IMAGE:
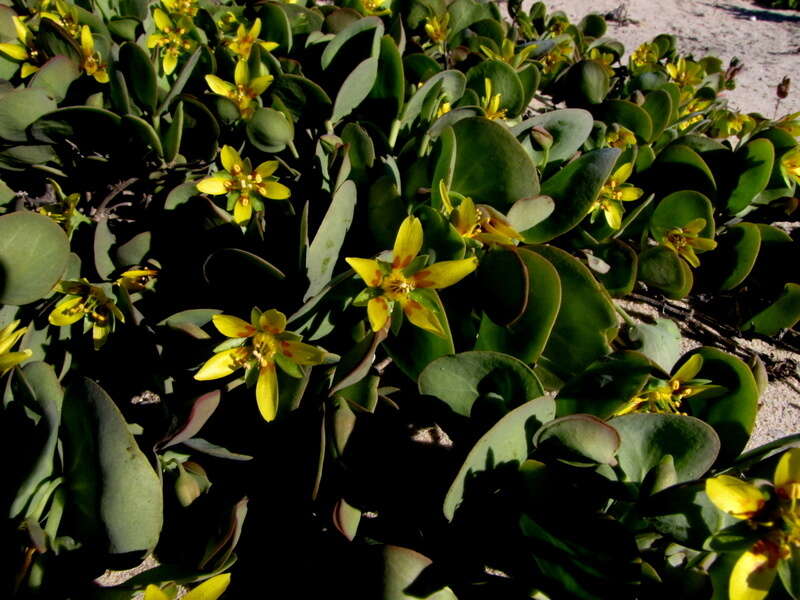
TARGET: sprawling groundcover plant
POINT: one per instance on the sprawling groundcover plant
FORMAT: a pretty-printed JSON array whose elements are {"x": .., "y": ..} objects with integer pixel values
[{"x": 320, "y": 300}]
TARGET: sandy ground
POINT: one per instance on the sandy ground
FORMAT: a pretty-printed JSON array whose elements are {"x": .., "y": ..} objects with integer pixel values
[{"x": 767, "y": 41}]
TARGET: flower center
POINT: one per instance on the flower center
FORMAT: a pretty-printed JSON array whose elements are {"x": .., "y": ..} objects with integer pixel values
[{"x": 396, "y": 285}]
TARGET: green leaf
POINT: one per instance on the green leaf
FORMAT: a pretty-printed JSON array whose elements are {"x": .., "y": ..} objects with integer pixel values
[
  {"x": 33, "y": 255},
  {"x": 648, "y": 438},
  {"x": 734, "y": 258},
  {"x": 661, "y": 267},
  {"x": 269, "y": 130},
  {"x": 301, "y": 96},
  {"x": 587, "y": 320},
  {"x": 47, "y": 396},
  {"x": 660, "y": 342},
  {"x": 55, "y": 77},
  {"x": 628, "y": 114},
  {"x": 450, "y": 83},
  {"x": 388, "y": 93},
  {"x": 623, "y": 265},
  {"x": 113, "y": 491},
  {"x": 522, "y": 290},
  {"x": 323, "y": 254},
  {"x": 678, "y": 167},
  {"x": 748, "y": 174},
  {"x": 605, "y": 386},
  {"x": 134, "y": 62},
  {"x": 402, "y": 567},
  {"x": 570, "y": 128},
  {"x": 574, "y": 189},
  {"x": 180, "y": 81},
  {"x": 782, "y": 142},
  {"x": 578, "y": 438},
  {"x": 658, "y": 105},
  {"x": 20, "y": 108},
  {"x": 276, "y": 26},
  {"x": 240, "y": 273},
  {"x": 461, "y": 380},
  {"x": 347, "y": 34},
  {"x": 784, "y": 313},
  {"x": 509, "y": 440},
  {"x": 464, "y": 13},
  {"x": 103, "y": 241},
  {"x": 141, "y": 135},
  {"x": 355, "y": 89},
  {"x": 174, "y": 134},
  {"x": 584, "y": 84},
  {"x": 491, "y": 166},
  {"x": 733, "y": 414}
]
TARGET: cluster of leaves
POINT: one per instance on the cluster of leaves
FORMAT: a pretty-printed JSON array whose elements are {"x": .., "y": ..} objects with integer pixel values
[
  {"x": 781, "y": 3},
  {"x": 371, "y": 250}
]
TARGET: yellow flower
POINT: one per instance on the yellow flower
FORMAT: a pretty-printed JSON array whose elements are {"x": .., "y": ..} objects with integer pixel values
[
  {"x": 508, "y": 53},
  {"x": 90, "y": 301},
  {"x": 376, "y": 8},
  {"x": 136, "y": 279},
  {"x": 491, "y": 103},
  {"x": 644, "y": 56},
  {"x": 444, "y": 108},
  {"x": 773, "y": 514},
  {"x": 789, "y": 123},
  {"x": 728, "y": 123},
  {"x": 211, "y": 589},
  {"x": 604, "y": 59},
  {"x": 437, "y": 28},
  {"x": 243, "y": 185},
  {"x": 171, "y": 38},
  {"x": 245, "y": 39},
  {"x": 244, "y": 91},
  {"x": 23, "y": 49},
  {"x": 480, "y": 222},
  {"x": 405, "y": 281},
  {"x": 185, "y": 8},
  {"x": 613, "y": 193},
  {"x": 65, "y": 212},
  {"x": 560, "y": 53},
  {"x": 685, "y": 73},
  {"x": 692, "y": 113},
  {"x": 667, "y": 397},
  {"x": 9, "y": 335},
  {"x": 790, "y": 164},
  {"x": 684, "y": 240},
  {"x": 264, "y": 343},
  {"x": 92, "y": 62},
  {"x": 619, "y": 136},
  {"x": 66, "y": 16}
]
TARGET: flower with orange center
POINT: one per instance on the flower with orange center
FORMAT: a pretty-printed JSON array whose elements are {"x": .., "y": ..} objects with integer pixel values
[
  {"x": 773, "y": 515},
  {"x": 242, "y": 44},
  {"x": 243, "y": 185},
  {"x": 171, "y": 38},
  {"x": 244, "y": 91},
  {"x": 407, "y": 282},
  {"x": 790, "y": 164},
  {"x": 477, "y": 222},
  {"x": 92, "y": 62},
  {"x": 265, "y": 343},
  {"x": 613, "y": 193},
  {"x": 685, "y": 240}
]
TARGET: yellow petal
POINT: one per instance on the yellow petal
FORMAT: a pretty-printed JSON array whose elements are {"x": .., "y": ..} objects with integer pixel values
[
  {"x": 702, "y": 243},
  {"x": 272, "y": 321},
  {"x": 230, "y": 158},
  {"x": 7, "y": 338},
  {"x": 87, "y": 43},
  {"x": 369, "y": 270},
  {"x": 153, "y": 592},
  {"x": 222, "y": 364},
  {"x": 688, "y": 253},
  {"x": 378, "y": 313},
  {"x": 422, "y": 317},
  {"x": 153, "y": 39},
  {"x": 163, "y": 22},
  {"x": 233, "y": 327},
  {"x": 211, "y": 589},
  {"x": 101, "y": 76},
  {"x": 302, "y": 354},
  {"x": 629, "y": 193},
  {"x": 751, "y": 577},
  {"x": 9, "y": 360},
  {"x": 259, "y": 85},
  {"x": 267, "y": 392},
  {"x": 444, "y": 274},
  {"x": 689, "y": 369},
  {"x": 242, "y": 210},
  {"x": 28, "y": 69},
  {"x": 241, "y": 74},
  {"x": 274, "y": 190},
  {"x": 218, "y": 86},
  {"x": 170, "y": 62},
  {"x": 408, "y": 242},
  {"x": 268, "y": 46},
  {"x": 734, "y": 496},
  {"x": 613, "y": 214},
  {"x": 267, "y": 168},
  {"x": 466, "y": 216},
  {"x": 67, "y": 313},
  {"x": 621, "y": 175},
  {"x": 14, "y": 51},
  {"x": 787, "y": 473},
  {"x": 255, "y": 30},
  {"x": 212, "y": 185}
]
